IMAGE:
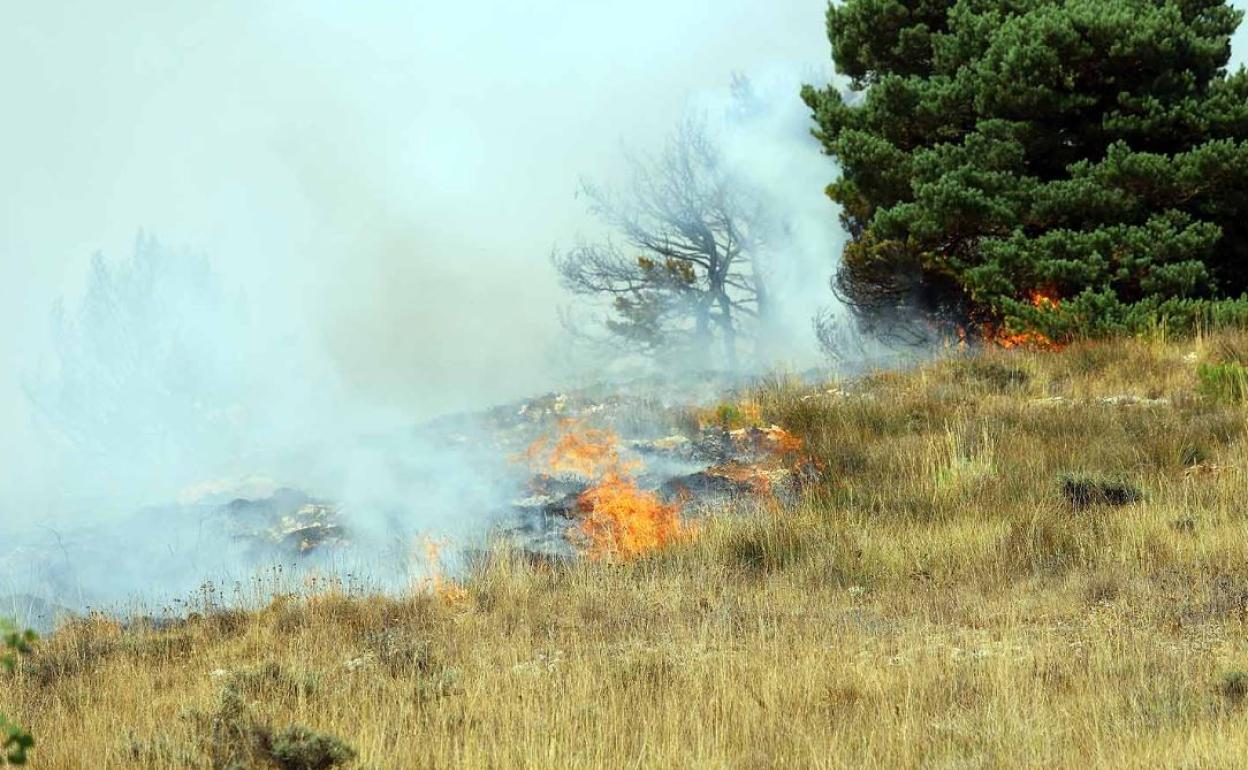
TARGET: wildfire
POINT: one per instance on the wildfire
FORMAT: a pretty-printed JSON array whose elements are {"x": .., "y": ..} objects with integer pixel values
[
  {"x": 1045, "y": 298},
  {"x": 588, "y": 452},
  {"x": 621, "y": 521},
  {"x": 436, "y": 583},
  {"x": 618, "y": 520},
  {"x": 1007, "y": 340},
  {"x": 784, "y": 443}
]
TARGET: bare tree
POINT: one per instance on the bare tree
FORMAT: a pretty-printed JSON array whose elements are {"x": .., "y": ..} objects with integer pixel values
[{"x": 684, "y": 274}]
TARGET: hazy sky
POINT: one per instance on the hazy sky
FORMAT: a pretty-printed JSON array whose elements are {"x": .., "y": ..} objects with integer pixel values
[{"x": 399, "y": 171}]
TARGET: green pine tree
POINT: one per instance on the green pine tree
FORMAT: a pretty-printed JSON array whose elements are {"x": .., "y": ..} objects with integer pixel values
[{"x": 997, "y": 153}]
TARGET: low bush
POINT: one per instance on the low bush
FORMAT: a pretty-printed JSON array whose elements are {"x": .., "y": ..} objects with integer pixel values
[
  {"x": 1087, "y": 491},
  {"x": 298, "y": 748},
  {"x": 234, "y": 736},
  {"x": 1234, "y": 686}
]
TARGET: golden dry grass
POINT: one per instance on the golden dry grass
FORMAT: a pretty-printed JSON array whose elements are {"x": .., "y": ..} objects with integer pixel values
[{"x": 934, "y": 603}]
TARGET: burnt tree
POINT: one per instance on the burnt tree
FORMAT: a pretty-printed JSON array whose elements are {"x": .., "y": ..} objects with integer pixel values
[{"x": 682, "y": 273}]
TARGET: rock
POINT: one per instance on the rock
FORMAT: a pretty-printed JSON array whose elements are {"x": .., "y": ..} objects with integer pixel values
[
  {"x": 671, "y": 446},
  {"x": 1129, "y": 400},
  {"x": 288, "y": 520}
]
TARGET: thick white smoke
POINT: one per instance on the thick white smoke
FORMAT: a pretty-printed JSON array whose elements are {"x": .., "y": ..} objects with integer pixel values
[
  {"x": 165, "y": 396},
  {"x": 765, "y": 135}
]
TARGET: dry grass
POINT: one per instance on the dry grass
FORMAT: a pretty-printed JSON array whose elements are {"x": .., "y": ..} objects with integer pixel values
[{"x": 935, "y": 603}]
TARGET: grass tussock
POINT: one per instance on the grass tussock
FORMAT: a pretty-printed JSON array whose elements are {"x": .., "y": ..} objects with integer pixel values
[{"x": 1008, "y": 560}]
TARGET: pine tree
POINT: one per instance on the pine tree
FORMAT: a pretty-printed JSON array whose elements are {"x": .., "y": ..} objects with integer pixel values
[{"x": 1070, "y": 167}]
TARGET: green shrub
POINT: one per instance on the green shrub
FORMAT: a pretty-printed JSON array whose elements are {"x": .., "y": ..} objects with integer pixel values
[
  {"x": 234, "y": 736},
  {"x": 1234, "y": 686},
  {"x": 727, "y": 415},
  {"x": 14, "y": 742},
  {"x": 298, "y": 748},
  {"x": 1092, "y": 315}
]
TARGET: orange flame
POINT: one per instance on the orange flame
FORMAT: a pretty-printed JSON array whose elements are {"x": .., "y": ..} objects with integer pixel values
[
  {"x": 1006, "y": 340},
  {"x": 784, "y": 443},
  {"x": 446, "y": 589},
  {"x": 1043, "y": 298},
  {"x": 618, "y": 520},
  {"x": 588, "y": 452}
]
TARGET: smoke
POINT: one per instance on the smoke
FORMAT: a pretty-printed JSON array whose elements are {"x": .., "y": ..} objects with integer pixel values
[
  {"x": 166, "y": 397},
  {"x": 741, "y": 162},
  {"x": 765, "y": 134},
  {"x": 352, "y": 208},
  {"x": 354, "y": 205}
]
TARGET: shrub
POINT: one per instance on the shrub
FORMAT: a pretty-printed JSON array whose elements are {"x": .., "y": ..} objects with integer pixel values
[
  {"x": 235, "y": 737},
  {"x": 731, "y": 416},
  {"x": 994, "y": 374},
  {"x": 15, "y": 742},
  {"x": 298, "y": 748},
  {"x": 766, "y": 549},
  {"x": 1087, "y": 491},
  {"x": 1234, "y": 686}
]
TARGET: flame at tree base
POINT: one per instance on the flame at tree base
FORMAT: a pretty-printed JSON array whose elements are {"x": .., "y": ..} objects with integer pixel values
[
  {"x": 1009, "y": 340},
  {"x": 996, "y": 335}
]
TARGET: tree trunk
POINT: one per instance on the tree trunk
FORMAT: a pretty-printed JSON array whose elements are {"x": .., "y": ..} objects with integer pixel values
[
  {"x": 702, "y": 332},
  {"x": 728, "y": 329},
  {"x": 767, "y": 328}
]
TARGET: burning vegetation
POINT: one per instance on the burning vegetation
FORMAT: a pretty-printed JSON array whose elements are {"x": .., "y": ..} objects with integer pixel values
[
  {"x": 617, "y": 519},
  {"x": 436, "y": 582},
  {"x": 997, "y": 334}
]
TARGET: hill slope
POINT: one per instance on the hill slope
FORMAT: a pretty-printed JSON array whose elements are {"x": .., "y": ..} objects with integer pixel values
[{"x": 1009, "y": 559}]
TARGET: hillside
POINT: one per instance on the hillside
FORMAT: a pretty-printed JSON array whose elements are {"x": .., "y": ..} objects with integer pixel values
[{"x": 1005, "y": 559}]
